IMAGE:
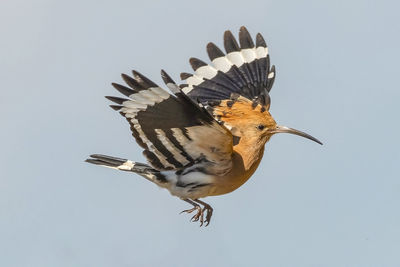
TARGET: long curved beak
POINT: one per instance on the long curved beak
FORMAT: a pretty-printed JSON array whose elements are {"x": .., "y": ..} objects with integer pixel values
[{"x": 284, "y": 129}]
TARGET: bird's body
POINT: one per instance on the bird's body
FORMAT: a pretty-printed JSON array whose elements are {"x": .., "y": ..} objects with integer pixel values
[{"x": 207, "y": 138}]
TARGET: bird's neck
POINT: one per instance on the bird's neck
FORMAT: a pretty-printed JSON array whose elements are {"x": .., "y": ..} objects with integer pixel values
[
  {"x": 246, "y": 158},
  {"x": 251, "y": 152}
]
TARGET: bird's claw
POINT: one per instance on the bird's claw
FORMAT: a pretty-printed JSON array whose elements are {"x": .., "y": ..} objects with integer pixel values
[
  {"x": 199, "y": 216},
  {"x": 189, "y": 210},
  {"x": 209, "y": 214}
]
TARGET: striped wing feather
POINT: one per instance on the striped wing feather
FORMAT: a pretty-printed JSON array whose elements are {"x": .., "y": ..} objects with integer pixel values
[
  {"x": 173, "y": 130},
  {"x": 243, "y": 70}
]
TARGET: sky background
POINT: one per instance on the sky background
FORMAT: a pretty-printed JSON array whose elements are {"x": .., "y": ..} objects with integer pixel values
[{"x": 307, "y": 205}]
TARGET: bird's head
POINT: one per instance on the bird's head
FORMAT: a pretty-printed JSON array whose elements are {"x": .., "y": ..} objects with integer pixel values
[{"x": 251, "y": 122}]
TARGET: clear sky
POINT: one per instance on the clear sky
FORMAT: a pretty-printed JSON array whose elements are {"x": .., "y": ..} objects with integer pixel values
[{"x": 307, "y": 205}]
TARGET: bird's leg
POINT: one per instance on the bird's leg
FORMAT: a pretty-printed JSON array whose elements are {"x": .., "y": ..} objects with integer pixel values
[
  {"x": 207, "y": 208},
  {"x": 198, "y": 215}
]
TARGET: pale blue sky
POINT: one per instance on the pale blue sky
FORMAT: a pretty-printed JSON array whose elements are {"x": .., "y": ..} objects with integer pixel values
[{"x": 307, "y": 205}]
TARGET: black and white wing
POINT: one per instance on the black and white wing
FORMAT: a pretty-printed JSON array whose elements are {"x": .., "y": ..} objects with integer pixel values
[
  {"x": 173, "y": 130},
  {"x": 244, "y": 70}
]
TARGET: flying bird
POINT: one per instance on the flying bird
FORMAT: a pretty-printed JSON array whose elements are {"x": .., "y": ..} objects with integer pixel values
[{"x": 205, "y": 137}]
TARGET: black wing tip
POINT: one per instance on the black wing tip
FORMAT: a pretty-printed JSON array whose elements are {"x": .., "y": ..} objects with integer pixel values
[
  {"x": 245, "y": 38},
  {"x": 230, "y": 42},
  {"x": 131, "y": 82},
  {"x": 166, "y": 78},
  {"x": 144, "y": 82},
  {"x": 213, "y": 51},
  {"x": 164, "y": 73},
  {"x": 126, "y": 77},
  {"x": 123, "y": 89},
  {"x": 115, "y": 99},
  {"x": 196, "y": 63},
  {"x": 228, "y": 33},
  {"x": 137, "y": 75},
  {"x": 115, "y": 107},
  {"x": 123, "y": 75},
  {"x": 260, "y": 41},
  {"x": 185, "y": 75},
  {"x": 173, "y": 87},
  {"x": 243, "y": 28}
]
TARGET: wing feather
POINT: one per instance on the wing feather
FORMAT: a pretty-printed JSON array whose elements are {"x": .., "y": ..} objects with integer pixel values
[
  {"x": 245, "y": 69},
  {"x": 174, "y": 131}
]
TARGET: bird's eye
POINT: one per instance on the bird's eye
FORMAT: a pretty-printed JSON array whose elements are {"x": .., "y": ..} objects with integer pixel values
[{"x": 261, "y": 127}]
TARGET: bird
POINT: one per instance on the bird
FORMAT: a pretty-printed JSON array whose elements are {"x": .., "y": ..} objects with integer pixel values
[{"x": 205, "y": 137}]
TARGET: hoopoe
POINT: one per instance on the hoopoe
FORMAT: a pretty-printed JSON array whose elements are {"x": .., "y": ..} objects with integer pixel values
[{"x": 207, "y": 138}]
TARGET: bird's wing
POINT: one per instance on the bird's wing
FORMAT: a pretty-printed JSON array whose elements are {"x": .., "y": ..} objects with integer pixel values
[
  {"x": 243, "y": 71},
  {"x": 174, "y": 131}
]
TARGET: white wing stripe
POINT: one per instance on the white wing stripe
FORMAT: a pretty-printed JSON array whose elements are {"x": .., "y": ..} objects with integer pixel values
[
  {"x": 142, "y": 99},
  {"x": 194, "y": 80},
  {"x": 134, "y": 105},
  {"x": 170, "y": 147},
  {"x": 207, "y": 72},
  {"x": 271, "y": 75},
  {"x": 222, "y": 63},
  {"x": 187, "y": 89},
  {"x": 236, "y": 58},
  {"x": 261, "y": 51},
  {"x": 160, "y": 92},
  {"x": 249, "y": 54},
  {"x": 152, "y": 148}
]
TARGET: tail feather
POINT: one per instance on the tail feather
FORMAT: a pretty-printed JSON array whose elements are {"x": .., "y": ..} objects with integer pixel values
[{"x": 127, "y": 165}]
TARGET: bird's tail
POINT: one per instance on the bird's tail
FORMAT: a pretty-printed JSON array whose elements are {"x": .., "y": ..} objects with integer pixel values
[{"x": 142, "y": 169}]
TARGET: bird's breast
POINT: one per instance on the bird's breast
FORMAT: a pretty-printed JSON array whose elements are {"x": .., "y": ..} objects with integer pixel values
[{"x": 238, "y": 175}]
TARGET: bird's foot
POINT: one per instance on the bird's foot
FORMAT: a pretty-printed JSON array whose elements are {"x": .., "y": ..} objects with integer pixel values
[
  {"x": 208, "y": 208},
  {"x": 209, "y": 214},
  {"x": 195, "y": 207},
  {"x": 199, "y": 216}
]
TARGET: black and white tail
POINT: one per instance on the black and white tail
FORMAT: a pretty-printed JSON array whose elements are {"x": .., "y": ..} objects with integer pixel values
[{"x": 142, "y": 169}]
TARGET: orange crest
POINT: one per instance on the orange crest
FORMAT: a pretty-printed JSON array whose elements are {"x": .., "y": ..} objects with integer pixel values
[{"x": 242, "y": 113}]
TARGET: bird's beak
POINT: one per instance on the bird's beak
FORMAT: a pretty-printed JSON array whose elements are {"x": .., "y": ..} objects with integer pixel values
[{"x": 284, "y": 129}]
